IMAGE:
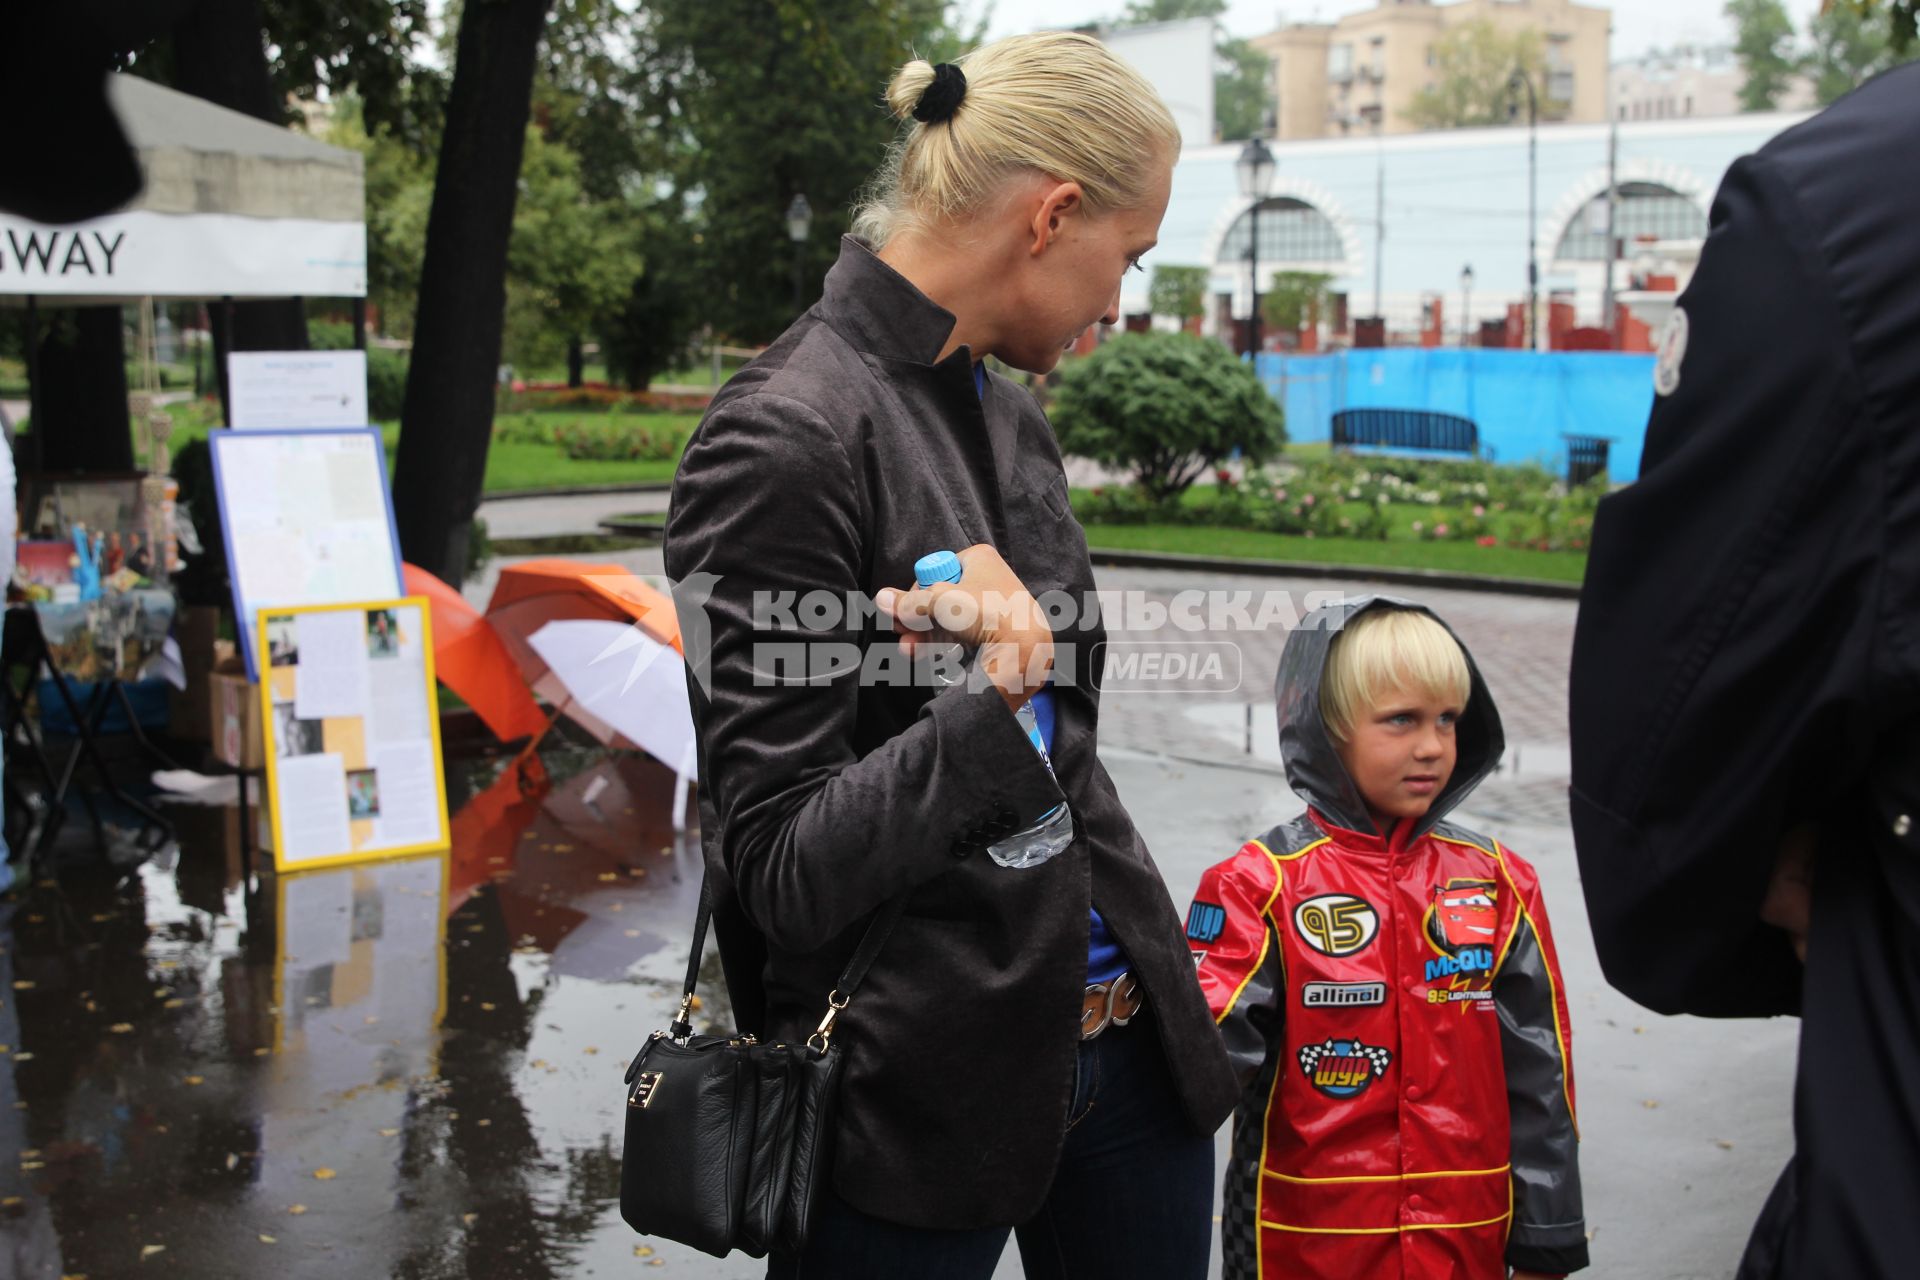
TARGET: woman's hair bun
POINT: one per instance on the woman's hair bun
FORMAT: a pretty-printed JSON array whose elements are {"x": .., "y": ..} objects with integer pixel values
[
  {"x": 909, "y": 83},
  {"x": 941, "y": 98}
]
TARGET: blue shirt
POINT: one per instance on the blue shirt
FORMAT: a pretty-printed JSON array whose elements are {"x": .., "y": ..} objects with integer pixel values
[{"x": 1105, "y": 960}]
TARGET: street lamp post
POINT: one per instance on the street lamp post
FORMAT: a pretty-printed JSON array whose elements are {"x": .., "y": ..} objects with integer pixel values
[
  {"x": 799, "y": 224},
  {"x": 1518, "y": 81},
  {"x": 1255, "y": 170},
  {"x": 1466, "y": 301}
]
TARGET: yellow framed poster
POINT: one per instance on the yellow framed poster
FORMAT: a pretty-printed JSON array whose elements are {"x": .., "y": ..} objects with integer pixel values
[{"x": 352, "y": 729}]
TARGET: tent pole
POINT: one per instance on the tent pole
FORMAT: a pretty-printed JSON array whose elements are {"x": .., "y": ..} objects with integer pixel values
[
  {"x": 33, "y": 381},
  {"x": 221, "y": 350}
]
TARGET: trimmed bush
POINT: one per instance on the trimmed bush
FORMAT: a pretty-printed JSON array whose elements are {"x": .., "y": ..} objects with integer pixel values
[{"x": 1166, "y": 406}]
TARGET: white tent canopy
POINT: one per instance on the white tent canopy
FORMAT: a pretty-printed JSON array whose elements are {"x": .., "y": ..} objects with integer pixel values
[{"x": 232, "y": 207}]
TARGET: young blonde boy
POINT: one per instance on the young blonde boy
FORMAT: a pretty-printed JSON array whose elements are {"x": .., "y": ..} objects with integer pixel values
[{"x": 1387, "y": 985}]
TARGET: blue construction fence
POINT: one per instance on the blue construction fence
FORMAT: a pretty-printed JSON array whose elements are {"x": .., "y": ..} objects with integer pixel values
[{"x": 1526, "y": 403}]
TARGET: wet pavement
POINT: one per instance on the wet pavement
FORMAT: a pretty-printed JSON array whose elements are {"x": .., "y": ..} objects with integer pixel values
[{"x": 413, "y": 1068}]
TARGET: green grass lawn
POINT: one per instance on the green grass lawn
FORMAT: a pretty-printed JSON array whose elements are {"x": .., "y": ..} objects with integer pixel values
[
  {"x": 511, "y": 464},
  {"x": 1396, "y": 553}
]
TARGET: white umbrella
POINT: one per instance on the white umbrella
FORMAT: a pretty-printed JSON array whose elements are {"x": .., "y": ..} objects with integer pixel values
[{"x": 623, "y": 687}]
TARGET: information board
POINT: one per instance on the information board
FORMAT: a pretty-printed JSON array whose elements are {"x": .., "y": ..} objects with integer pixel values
[
  {"x": 307, "y": 520},
  {"x": 280, "y": 390},
  {"x": 353, "y": 733}
]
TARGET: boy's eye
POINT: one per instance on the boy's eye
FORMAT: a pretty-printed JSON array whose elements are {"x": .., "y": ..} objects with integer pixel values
[{"x": 1447, "y": 718}]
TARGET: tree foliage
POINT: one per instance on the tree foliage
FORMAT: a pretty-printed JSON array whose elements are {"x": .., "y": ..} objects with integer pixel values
[
  {"x": 1180, "y": 292},
  {"x": 1763, "y": 42},
  {"x": 1851, "y": 44},
  {"x": 1293, "y": 299},
  {"x": 1473, "y": 64},
  {"x": 572, "y": 258},
  {"x": 1166, "y": 406},
  {"x": 777, "y": 99}
]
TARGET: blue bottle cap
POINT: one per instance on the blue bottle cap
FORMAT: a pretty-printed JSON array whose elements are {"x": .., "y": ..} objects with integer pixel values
[{"x": 939, "y": 566}]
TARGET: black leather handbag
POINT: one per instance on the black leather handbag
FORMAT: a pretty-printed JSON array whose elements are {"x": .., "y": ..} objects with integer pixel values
[{"x": 729, "y": 1140}]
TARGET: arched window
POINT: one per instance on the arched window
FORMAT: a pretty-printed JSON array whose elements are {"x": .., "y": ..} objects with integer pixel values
[
  {"x": 1647, "y": 209},
  {"x": 1291, "y": 232}
]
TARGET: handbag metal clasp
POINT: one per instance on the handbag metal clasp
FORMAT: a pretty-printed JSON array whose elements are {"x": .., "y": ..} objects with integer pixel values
[{"x": 824, "y": 1032}]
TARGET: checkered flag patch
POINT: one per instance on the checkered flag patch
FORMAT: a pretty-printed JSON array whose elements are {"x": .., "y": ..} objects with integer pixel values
[{"x": 1310, "y": 1054}]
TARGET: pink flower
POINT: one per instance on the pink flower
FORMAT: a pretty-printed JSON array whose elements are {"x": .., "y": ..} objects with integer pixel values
[
  {"x": 1439, "y": 531},
  {"x": 1223, "y": 475},
  {"x": 1279, "y": 495},
  {"x": 1479, "y": 511},
  {"x": 1308, "y": 500},
  {"x": 1488, "y": 541}
]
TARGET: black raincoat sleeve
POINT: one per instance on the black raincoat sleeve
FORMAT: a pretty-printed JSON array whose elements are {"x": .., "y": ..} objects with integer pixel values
[
  {"x": 1727, "y": 632},
  {"x": 1549, "y": 1232}
]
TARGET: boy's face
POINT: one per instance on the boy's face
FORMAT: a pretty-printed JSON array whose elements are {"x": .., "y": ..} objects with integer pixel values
[{"x": 1400, "y": 753}]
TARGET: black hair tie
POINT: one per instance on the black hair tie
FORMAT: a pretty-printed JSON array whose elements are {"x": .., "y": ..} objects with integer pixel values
[{"x": 942, "y": 97}]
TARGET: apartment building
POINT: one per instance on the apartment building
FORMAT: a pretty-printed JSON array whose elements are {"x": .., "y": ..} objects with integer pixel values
[{"x": 1350, "y": 77}]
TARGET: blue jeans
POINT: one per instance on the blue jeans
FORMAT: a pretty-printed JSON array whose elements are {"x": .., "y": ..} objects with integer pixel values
[{"x": 1133, "y": 1196}]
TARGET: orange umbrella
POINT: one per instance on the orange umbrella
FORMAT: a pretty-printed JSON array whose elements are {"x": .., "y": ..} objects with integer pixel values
[
  {"x": 535, "y": 592},
  {"x": 471, "y": 660}
]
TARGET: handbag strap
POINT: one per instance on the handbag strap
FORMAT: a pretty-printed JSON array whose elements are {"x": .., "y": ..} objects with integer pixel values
[{"x": 878, "y": 930}]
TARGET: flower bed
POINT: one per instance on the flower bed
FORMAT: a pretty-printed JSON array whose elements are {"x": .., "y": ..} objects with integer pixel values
[
  {"x": 596, "y": 397},
  {"x": 1375, "y": 498}
]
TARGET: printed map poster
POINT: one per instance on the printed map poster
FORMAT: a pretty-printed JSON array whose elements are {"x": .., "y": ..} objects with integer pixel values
[
  {"x": 308, "y": 520},
  {"x": 352, "y": 728}
]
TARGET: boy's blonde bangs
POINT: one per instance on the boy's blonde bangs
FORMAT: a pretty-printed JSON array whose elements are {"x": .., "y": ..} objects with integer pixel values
[{"x": 1385, "y": 650}]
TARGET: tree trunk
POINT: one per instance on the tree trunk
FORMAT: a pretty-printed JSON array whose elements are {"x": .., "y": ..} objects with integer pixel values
[
  {"x": 83, "y": 393},
  {"x": 220, "y": 55},
  {"x": 576, "y": 361},
  {"x": 447, "y": 419}
]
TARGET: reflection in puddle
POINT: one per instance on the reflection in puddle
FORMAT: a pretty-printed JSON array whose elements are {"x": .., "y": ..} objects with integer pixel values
[{"x": 407, "y": 1068}]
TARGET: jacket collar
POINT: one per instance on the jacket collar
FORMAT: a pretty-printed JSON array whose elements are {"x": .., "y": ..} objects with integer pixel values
[
  {"x": 1400, "y": 837},
  {"x": 880, "y": 311}
]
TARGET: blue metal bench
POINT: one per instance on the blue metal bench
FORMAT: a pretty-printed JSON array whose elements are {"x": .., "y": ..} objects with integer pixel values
[{"x": 1420, "y": 429}]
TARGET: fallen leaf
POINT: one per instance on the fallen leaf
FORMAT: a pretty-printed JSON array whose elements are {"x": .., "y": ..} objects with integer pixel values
[
  {"x": 323, "y": 1175},
  {"x": 636, "y": 871},
  {"x": 488, "y": 1005},
  {"x": 173, "y": 1004},
  {"x": 469, "y": 1218},
  {"x": 296, "y": 1209},
  {"x": 642, "y": 1251},
  {"x": 32, "y": 1153},
  {"x": 1723, "y": 1144},
  {"x": 28, "y": 1166},
  {"x": 1649, "y": 1103},
  {"x": 590, "y": 1049},
  {"x": 23, "y": 1056},
  {"x": 608, "y": 875},
  {"x": 631, "y": 933},
  {"x": 656, "y": 1262},
  {"x": 121, "y": 1028},
  {"x": 23, "y": 984},
  {"x": 9, "y": 1202},
  {"x": 196, "y": 1080},
  {"x": 267, "y": 1239},
  {"x": 262, "y": 1052},
  {"x": 148, "y": 1250},
  {"x": 484, "y": 1123},
  {"x": 538, "y": 1063},
  {"x": 389, "y": 1133}
]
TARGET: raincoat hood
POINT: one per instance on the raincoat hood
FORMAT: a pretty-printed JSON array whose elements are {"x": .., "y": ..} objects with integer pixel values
[{"x": 1314, "y": 769}]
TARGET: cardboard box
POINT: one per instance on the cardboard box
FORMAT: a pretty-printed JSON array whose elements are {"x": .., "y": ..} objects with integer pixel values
[
  {"x": 233, "y": 703},
  {"x": 189, "y": 710}
]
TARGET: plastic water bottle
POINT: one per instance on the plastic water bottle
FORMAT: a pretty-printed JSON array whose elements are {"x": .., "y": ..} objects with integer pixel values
[{"x": 1054, "y": 831}]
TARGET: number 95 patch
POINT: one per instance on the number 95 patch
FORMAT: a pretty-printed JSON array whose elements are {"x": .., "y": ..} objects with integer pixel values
[{"x": 1336, "y": 924}]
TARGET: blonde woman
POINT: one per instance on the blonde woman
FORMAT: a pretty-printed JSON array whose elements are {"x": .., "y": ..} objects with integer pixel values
[{"x": 1030, "y": 1052}]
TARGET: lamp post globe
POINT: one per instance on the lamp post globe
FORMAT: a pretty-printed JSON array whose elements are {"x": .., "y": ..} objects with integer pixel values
[{"x": 799, "y": 226}]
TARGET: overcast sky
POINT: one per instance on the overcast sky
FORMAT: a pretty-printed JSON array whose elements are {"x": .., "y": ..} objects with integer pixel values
[{"x": 1638, "y": 25}]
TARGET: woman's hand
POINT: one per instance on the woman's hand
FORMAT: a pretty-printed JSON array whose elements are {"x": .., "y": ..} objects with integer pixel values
[{"x": 989, "y": 611}]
